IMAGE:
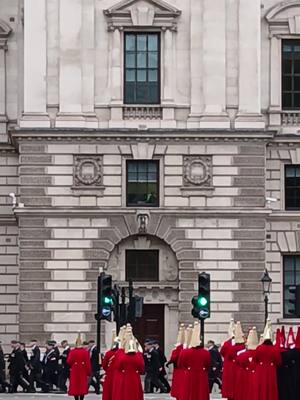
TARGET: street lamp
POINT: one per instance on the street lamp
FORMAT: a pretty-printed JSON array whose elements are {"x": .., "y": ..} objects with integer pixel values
[{"x": 266, "y": 285}]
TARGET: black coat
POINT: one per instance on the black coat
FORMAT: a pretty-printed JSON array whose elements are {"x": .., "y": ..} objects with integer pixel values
[
  {"x": 162, "y": 360},
  {"x": 94, "y": 360},
  {"x": 289, "y": 375},
  {"x": 63, "y": 357},
  {"x": 152, "y": 362},
  {"x": 50, "y": 361},
  {"x": 216, "y": 359},
  {"x": 16, "y": 362},
  {"x": 2, "y": 360},
  {"x": 35, "y": 359}
]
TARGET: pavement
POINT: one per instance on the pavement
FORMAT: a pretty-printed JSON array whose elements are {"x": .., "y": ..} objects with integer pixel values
[{"x": 56, "y": 396}]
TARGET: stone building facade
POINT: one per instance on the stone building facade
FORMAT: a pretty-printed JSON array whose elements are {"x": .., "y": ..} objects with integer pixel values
[{"x": 218, "y": 136}]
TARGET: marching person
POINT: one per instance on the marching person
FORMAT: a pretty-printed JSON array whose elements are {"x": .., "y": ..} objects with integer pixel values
[
  {"x": 152, "y": 369},
  {"x": 238, "y": 345},
  {"x": 196, "y": 363},
  {"x": 131, "y": 365},
  {"x": 163, "y": 376},
  {"x": 267, "y": 358},
  {"x": 3, "y": 383},
  {"x": 291, "y": 359},
  {"x": 215, "y": 371},
  {"x": 49, "y": 365},
  {"x": 178, "y": 373},
  {"x": 182, "y": 357},
  {"x": 94, "y": 357},
  {"x": 26, "y": 359},
  {"x": 35, "y": 368},
  {"x": 64, "y": 367},
  {"x": 16, "y": 368},
  {"x": 108, "y": 365},
  {"x": 227, "y": 365},
  {"x": 80, "y": 370},
  {"x": 245, "y": 385}
]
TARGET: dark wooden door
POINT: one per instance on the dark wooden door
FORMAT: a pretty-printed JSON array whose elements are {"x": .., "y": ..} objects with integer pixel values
[{"x": 152, "y": 324}]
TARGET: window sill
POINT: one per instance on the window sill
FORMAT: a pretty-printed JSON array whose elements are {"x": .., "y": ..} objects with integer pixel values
[{"x": 288, "y": 320}]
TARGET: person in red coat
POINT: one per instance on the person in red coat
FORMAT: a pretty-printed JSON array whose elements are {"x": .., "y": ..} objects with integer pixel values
[
  {"x": 108, "y": 365},
  {"x": 227, "y": 364},
  {"x": 246, "y": 369},
  {"x": 267, "y": 358},
  {"x": 196, "y": 362},
  {"x": 80, "y": 370},
  {"x": 182, "y": 359},
  {"x": 178, "y": 373},
  {"x": 130, "y": 366}
]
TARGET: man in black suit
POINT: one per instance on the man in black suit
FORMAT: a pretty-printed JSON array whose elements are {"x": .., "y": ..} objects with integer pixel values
[
  {"x": 94, "y": 356},
  {"x": 50, "y": 364},
  {"x": 215, "y": 371},
  {"x": 16, "y": 368},
  {"x": 35, "y": 368},
  {"x": 64, "y": 368},
  {"x": 162, "y": 371},
  {"x": 152, "y": 369},
  {"x": 3, "y": 383}
]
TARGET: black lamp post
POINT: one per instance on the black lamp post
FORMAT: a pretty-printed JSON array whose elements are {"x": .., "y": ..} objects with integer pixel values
[{"x": 266, "y": 284}]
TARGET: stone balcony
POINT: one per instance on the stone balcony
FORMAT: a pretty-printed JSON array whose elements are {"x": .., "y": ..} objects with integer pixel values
[{"x": 142, "y": 112}]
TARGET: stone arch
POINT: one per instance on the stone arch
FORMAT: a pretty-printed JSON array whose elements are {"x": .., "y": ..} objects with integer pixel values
[{"x": 168, "y": 263}]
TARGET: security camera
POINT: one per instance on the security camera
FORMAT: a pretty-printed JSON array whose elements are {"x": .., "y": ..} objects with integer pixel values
[
  {"x": 271, "y": 199},
  {"x": 14, "y": 199}
]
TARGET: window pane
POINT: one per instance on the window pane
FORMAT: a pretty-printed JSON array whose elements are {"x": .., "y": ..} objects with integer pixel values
[
  {"x": 287, "y": 83},
  {"x": 287, "y": 100},
  {"x": 287, "y": 66},
  {"x": 142, "y": 42},
  {"x": 153, "y": 92},
  {"x": 130, "y": 60},
  {"x": 141, "y": 75},
  {"x": 152, "y": 77},
  {"x": 130, "y": 42},
  {"x": 132, "y": 167},
  {"x": 289, "y": 172},
  {"x": 141, "y": 60},
  {"x": 129, "y": 92},
  {"x": 142, "y": 185},
  {"x": 141, "y": 93},
  {"x": 130, "y": 75},
  {"x": 153, "y": 42},
  {"x": 296, "y": 100},
  {"x": 152, "y": 60}
]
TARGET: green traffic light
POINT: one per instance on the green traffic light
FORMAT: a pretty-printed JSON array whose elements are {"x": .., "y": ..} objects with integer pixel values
[
  {"x": 202, "y": 301},
  {"x": 107, "y": 300}
]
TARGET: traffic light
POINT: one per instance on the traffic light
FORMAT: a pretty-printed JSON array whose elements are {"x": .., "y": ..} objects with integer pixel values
[
  {"x": 105, "y": 297},
  {"x": 201, "y": 303},
  {"x": 135, "y": 309},
  {"x": 295, "y": 300}
]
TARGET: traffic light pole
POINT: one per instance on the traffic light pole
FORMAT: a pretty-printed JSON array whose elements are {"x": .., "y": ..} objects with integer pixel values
[
  {"x": 98, "y": 340},
  {"x": 202, "y": 331}
]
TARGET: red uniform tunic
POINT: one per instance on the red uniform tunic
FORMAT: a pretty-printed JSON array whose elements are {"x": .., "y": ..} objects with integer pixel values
[
  {"x": 117, "y": 388},
  {"x": 108, "y": 364},
  {"x": 80, "y": 370},
  {"x": 226, "y": 367},
  {"x": 245, "y": 386},
  {"x": 130, "y": 366},
  {"x": 178, "y": 373},
  {"x": 196, "y": 362},
  {"x": 230, "y": 370},
  {"x": 267, "y": 358}
]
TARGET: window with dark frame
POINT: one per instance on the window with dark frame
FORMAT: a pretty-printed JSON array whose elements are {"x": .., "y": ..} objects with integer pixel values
[
  {"x": 291, "y": 277},
  {"x": 292, "y": 187},
  {"x": 142, "y": 183},
  {"x": 291, "y": 74},
  {"x": 142, "y": 265},
  {"x": 142, "y": 68}
]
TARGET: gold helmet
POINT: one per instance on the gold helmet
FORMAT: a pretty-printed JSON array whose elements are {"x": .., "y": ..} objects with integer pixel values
[
  {"x": 195, "y": 339},
  {"x": 188, "y": 335},
  {"x": 268, "y": 332},
  {"x": 122, "y": 337},
  {"x": 231, "y": 329},
  {"x": 78, "y": 342},
  {"x": 114, "y": 339},
  {"x": 130, "y": 346},
  {"x": 239, "y": 336},
  {"x": 181, "y": 335},
  {"x": 252, "y": 340}
]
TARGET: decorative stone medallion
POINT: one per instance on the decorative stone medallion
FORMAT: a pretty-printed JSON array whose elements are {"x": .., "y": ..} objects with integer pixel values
[
  {"x": 197, "y": 171},
  {"x": 87, "y": 171}
]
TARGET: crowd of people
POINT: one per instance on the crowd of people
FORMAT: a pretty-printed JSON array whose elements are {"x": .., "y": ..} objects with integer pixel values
[
  {"x": 245, "y": 368},
  {"x": 48, "y": 372}
]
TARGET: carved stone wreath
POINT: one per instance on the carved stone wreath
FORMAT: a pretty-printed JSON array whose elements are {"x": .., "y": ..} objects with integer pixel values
[
  {"x": 87, "y": 171},
  {"x": 197, "y": 171}
]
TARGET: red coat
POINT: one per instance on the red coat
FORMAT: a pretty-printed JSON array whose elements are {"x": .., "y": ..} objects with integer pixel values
[
  {"x": 196, "y": 362},
  {"x": 230, "y": 370},
  {"x": 245, "y": 386},
  {"x": 80, "y": 370},
  {"x": 267, "y": 358},
  {"x": 117, "y": 389},
  {"x": 130, "y": 367},
  {"x": 108, "y": 364},
  {"x": 226, "y": 366},
  {"x": 178, "y": 373}
]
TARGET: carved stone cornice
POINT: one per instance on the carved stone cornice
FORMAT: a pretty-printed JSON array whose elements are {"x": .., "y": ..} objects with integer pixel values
[
  {"x": 7, "y": 148},
  {"x": 135, "y": 135}
]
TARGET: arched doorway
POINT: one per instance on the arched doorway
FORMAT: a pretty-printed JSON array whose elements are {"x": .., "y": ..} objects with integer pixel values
[{"x": 152, "y": 265}]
